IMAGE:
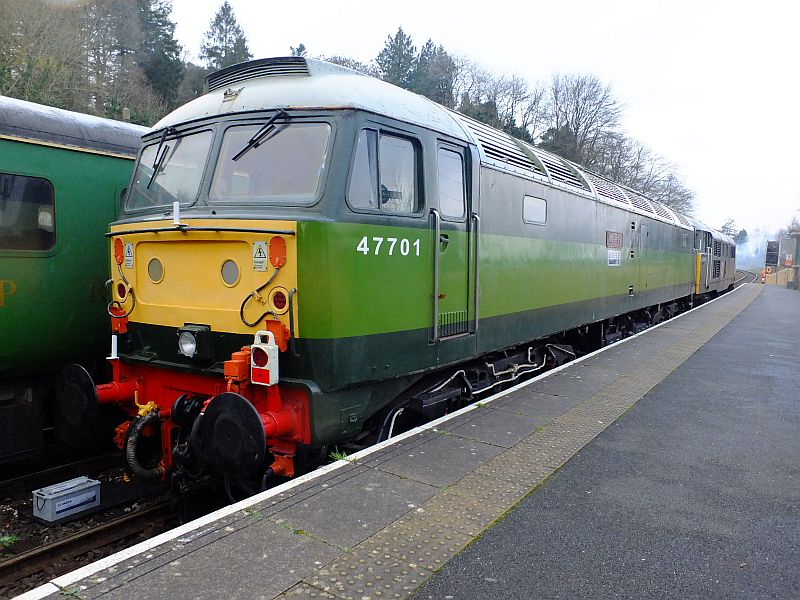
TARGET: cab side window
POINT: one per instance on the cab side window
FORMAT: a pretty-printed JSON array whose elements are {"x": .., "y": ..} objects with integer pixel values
[
  {"x": 384, "y": 176},
  {"x": 27, "y": 213},
  {"x": 451, "y": 184}
]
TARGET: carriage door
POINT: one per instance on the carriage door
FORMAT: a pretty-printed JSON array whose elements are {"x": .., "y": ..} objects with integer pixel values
[{"x": 450, "y": 228}]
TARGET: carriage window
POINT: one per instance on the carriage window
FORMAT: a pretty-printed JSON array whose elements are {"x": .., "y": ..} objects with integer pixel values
[
  {"x": 27, "y": 213},
  {"x": 451, "y": 184},
  {"x": 534, "y": 210},
  {"x": 384, "y": 174},
  {"x": 284, "y": 167}
]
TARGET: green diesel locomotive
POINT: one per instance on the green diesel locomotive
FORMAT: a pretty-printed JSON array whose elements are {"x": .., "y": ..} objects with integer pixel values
[
  {"x": 61, "y": 179},
  {"x": 309, "y": 257}
]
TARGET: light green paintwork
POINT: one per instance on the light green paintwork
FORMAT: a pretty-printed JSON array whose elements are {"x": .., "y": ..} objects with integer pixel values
[{"x": 343, "y": 293}]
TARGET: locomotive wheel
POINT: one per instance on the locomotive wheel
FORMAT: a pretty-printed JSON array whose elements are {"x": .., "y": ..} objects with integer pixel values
[
  {"x": 76, "y": 404},
  {"x": 229, "y": 436}
]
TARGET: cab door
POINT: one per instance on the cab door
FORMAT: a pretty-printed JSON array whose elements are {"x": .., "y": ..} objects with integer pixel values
[{"x": 452, "y": 227}]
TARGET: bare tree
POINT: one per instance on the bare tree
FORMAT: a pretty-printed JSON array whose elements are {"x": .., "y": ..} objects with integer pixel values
[
  {"x": 587, "y": 108},
  {"x": 38, "y": 52},
  {"x": 370, "y": 69}
]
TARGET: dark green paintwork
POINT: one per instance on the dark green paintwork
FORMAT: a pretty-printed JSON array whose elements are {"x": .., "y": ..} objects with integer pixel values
[{"x": 57, "y": 312}]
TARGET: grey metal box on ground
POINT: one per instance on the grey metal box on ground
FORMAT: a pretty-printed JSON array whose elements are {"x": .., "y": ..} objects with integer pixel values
[{"x": 65, "y": 499}]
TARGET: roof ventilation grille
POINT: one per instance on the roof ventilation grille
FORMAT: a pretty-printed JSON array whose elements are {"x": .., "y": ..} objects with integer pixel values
[
  {"x": 662, "y": 210},
  {"x": 560, "y": 170},
  {"x": 264, "y": 67},
  {"x": 499, "y": 146},
  {"x": 606, "y": 189},
  {"x": 640, "y": 202}
]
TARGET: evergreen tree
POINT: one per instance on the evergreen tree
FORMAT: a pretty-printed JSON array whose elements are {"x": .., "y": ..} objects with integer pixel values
[
  {"x": 483, "y": 111},
  {"x": 299, "y": 50},
  {"x": 397, "y": 60},
  {"x": 434, "y": 74},
  {"x": 160, "y": 56},
  {"x": 225, "y": 43},
  {"x": 561, "y": 141}
]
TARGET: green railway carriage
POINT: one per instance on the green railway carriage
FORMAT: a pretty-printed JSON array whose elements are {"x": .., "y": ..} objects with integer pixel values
[
  {"x": 309, "y": 257},
  {"x": 61, "y": 177}
]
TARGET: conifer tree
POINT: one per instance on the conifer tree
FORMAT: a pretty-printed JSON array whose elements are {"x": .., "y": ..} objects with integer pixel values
[
  {"x": 396, "y": 60},
  {"x": 224, "y": 44},
  {"x": 160, "y": 55}
]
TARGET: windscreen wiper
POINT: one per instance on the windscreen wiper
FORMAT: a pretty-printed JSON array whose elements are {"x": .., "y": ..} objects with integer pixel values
[
  {"x": 261, "y": 134},
  {"x": 161, "y": 152}
]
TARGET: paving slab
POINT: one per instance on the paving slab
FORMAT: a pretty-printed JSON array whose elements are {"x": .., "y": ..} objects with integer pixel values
[
  {"x": 496, "y": 427},
  {"x": 442, "y": 460},
  {"x": 380, "y": 524},
  {"x": 544, "y": 407},
  {"x": 347, "y": 514},
  {"x": 693, "y": 493}
]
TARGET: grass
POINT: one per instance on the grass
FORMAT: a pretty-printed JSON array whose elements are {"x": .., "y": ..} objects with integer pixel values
[
  {"x": 337, "y": 454},
  {"x": 8, "y": 540}
]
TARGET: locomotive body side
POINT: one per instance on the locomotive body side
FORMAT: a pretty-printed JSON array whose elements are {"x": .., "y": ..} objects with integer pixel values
[
  {"x": 410, "y": 269},
  {"x": 588, "y": 262}
]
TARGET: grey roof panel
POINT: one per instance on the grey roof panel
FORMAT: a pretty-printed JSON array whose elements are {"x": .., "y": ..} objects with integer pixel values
[
  {"x": 27, "y": 120},
  {"x": 326, "y": 86}
]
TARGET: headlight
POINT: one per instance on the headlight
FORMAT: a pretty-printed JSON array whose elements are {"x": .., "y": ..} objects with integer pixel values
[
  {"x": 187, "y": 344},
  {"x": 194, "y": 341}
]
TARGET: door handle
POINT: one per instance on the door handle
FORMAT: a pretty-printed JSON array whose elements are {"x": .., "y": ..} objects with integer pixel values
[{"x": 444, "y": 240}]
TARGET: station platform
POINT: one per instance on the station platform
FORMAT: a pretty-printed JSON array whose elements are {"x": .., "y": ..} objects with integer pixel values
[{"x": 385, "y": 522}]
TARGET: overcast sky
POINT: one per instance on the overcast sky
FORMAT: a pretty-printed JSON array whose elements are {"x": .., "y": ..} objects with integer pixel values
[{"x": 710, "y": 85}]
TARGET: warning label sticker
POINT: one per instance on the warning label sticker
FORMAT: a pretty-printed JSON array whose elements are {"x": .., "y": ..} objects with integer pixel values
[
  {"x": 259, "y": 256},
  {"x": 614, "y": 258},
  {"x": 129, "y": 256}
]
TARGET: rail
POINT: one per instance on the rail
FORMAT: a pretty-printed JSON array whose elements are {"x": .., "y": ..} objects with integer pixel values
[{"x": 44, "y": 557}]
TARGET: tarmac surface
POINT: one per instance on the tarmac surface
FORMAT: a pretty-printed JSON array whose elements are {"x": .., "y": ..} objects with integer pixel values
[{"x": 690, "y": 493}]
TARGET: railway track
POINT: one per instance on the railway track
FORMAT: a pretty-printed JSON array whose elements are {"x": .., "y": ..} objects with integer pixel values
[
  {"x": 20, "y": 485},
  {"x": 745, "y": 277},
  {"x": 70, "y": 552}
]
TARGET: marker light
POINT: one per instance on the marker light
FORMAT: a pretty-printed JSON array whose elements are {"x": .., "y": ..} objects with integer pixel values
[
  {"x": 260, "y": 357},
  {"x": 279, "y": 300},
  {"x": 187, "y": 344},
  {"x": 122, "y": 291},
  {"x": 264, "y": 359},
  {"x": 119, "y": 253}
]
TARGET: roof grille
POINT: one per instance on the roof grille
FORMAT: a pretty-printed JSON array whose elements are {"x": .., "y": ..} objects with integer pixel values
[
  {"x": 639, "y": 201},
  {"x": 560, "y": 170},
  {"x": 662, "y": 210},
  {"x": 499, "y": 146},
  {"x": 264, "y": 67},
  {"x": 606, "y": 188},
  {"x": 683, "y": 220}
]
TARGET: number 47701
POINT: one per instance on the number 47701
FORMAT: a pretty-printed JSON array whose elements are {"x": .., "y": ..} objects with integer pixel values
[{"x": 389, "y": 245}]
